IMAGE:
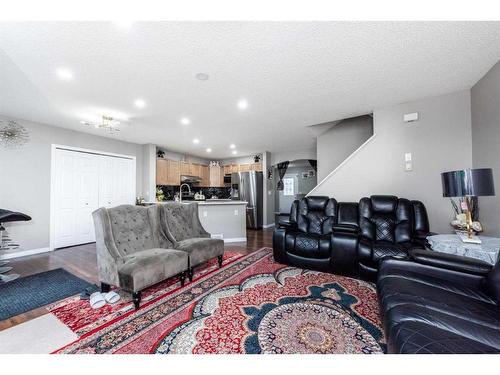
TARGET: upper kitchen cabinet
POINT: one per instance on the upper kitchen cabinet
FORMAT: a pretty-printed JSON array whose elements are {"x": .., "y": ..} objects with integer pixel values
[
  {"x": 205, "y": 176},
  {"x": 185, "y": 168},
  {"x": 216, "y": 176},
  {"x": 167, "y": 172},
  {"x": 256, "y": 167}
]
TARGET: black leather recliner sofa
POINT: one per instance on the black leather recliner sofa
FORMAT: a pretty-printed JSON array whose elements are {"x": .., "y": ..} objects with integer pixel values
[
  {"x": 350, "y": 238},
  {"x": 440, "y": 303}
]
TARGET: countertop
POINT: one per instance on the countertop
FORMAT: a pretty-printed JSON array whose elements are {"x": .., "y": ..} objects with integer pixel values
[{"x": 208, "y": 202}]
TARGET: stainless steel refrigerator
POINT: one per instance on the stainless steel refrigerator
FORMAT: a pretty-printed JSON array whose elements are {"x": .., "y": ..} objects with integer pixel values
[{"x": 248, "y": 186}]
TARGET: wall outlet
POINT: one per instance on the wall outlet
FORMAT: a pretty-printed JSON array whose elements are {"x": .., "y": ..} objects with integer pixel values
[{"x": 408, "y": 166}]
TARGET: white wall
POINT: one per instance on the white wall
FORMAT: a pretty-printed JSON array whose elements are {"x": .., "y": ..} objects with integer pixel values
[
  {"x": 337, "y": 143},
  {"x": 485, "y": 102},
  {"x": 440, "y": 141},
  {"x": 25, "y": 174}
]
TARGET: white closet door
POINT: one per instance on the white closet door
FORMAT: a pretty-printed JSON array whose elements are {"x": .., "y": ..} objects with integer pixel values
[
  {"x": 124, "y": 188},
  {"x": 107, "y": 181},
  {"x": 87, "y": 197},
  {"x": 83, "y": 182},
  {"x": 76, "y": 197}
]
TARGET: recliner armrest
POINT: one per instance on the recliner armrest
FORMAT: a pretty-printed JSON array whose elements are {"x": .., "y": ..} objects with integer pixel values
[
  {"x": 451, "y": 262},
  {"x": 287, "y": 224},
  {"x": 345, "y": 228}
]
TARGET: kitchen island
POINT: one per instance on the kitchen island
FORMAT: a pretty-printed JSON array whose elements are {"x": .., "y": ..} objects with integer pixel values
[{"x": 222, "y": 218}]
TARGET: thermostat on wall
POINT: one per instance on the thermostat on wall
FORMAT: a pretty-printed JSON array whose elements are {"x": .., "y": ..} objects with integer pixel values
[{"x": 410, "y": 117}]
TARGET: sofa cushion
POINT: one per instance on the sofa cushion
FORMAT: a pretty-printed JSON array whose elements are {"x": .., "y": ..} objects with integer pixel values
[
  {"x": 201, "y": 249},
  {"x": 308, "y": 245},
  {"x": 421, "y": 338},
  {"x": 457, "y": 300},
  {"x": 437, "y": 322},
  {"x": 148, "y": 267}
]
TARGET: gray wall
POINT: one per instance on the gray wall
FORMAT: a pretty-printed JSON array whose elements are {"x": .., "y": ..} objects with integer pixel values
[
  {"x": 485, "y": 102},
  {"x": 25, "y": 174},
  {"x": 336, "y": 144},
  {"x": 440, "y": 141},
  {"x": 278, "y": 157}
]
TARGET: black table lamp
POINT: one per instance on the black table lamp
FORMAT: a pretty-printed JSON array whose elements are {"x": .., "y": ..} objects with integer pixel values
[{"x": 468, "y": 183}]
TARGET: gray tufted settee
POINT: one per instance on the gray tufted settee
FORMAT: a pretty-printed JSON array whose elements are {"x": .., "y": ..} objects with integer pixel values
[
  {"x": 181, "y": 225},
  {"x": 133, "y": 253}
]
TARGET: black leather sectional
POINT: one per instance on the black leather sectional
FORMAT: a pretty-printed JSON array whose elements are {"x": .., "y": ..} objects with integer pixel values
[
  {"x": 440, "y": 303},
  {"x": 430, "y": 302},
  {"x": 350, "y": 238}
]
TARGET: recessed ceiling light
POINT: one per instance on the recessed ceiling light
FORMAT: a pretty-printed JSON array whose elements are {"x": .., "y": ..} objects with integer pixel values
[
  {"x": 196, "y": 141},
  {"x": 185, "y": 121},
  {"x": 232, "y": 146},
  {"x": 139, "y": 103},
  {"x": 242, "y": 104},
  {"x": 202, "y": 76},
  {"x": 209, "y": 149},
  {"x": 234, "y": 152},
  {"x": 64, "y": 74}
]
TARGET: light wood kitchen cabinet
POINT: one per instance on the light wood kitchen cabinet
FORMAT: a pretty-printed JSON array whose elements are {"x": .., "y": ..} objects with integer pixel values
[
  {"x": 205, "y": 176},
  {"x": 184, "y": 168},
  {"x": 161, "y": 171},
  {"x": 256, "y": 167},
  {"x": 167, "y": 172},
  {"x": 174, "y": 173},
  {"x": 216, "y": 176},
  {"x": 227, "y": 169},
  {"x": 244, "y": 168}
]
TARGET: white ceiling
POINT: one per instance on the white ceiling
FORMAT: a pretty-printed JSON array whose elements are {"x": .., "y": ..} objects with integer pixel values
[{"x": 293, "y": 75}]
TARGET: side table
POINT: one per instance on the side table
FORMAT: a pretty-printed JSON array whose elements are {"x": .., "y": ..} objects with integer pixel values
[{"x": 487, "y": 251}]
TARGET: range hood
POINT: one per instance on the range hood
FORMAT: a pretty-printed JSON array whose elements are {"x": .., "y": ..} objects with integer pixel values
[{"x": 190, "y": 179}]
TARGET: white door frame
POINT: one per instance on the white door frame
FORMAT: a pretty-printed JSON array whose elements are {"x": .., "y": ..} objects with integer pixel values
[{"x": 55, "y": 147}]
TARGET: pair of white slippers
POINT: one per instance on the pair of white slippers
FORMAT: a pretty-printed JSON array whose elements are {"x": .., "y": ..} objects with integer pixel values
[{"x": 98, "y": 299}]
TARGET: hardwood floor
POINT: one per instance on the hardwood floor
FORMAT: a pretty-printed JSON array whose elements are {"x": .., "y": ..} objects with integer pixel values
[{"x": 81, "y": 261}]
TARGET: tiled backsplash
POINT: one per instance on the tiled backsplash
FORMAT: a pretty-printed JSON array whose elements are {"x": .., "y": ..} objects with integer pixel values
[{"x": 208, "y": 192}]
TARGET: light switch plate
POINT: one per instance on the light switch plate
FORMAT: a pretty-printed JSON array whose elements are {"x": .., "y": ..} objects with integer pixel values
[
  {"x": 205, "y": 213},
  {"x": 235, "y": 212},
  {"x": 410, "y": 117},
  {"x": 408, "y": 156}
]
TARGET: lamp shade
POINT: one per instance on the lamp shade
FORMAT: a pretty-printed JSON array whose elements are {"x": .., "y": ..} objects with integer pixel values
[{"x": 468, "y": 182}]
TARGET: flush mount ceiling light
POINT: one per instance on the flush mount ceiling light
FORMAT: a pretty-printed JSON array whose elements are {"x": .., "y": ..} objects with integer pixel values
[
  {"x": 234, "y": 152},
  {"x": 232, "y": 146},
  {"x": 242, "y": 104},
  {"x": 185, "y": 121},
  {"x": 209, "y": 149},
  {"x": 139, "y": 103},
  {"x": 202, "y": 76},
  {"x": 13, "y": 135},
  {"x": 108, "y": 123},
  {"x": 64, "y": 74},
  {"x": 196, "y": 141}
]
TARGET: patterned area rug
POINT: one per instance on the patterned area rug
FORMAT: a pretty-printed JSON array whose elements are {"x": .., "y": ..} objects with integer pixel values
[{"x": 251, "y": 305}]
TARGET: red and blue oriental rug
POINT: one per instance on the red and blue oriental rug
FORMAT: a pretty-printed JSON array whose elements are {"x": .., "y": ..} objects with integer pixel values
[{"x": 251, "y": 305}]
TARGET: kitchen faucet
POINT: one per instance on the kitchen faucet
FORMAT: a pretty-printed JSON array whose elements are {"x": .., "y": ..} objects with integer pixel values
[{"x": 180, "y": 191}]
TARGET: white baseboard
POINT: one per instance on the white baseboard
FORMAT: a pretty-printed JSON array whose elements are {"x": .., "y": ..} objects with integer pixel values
[
  {"x": 268, "y": 226},
  {"x": 241, "y": 239},
  {"x": 24, "y": 253}
]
